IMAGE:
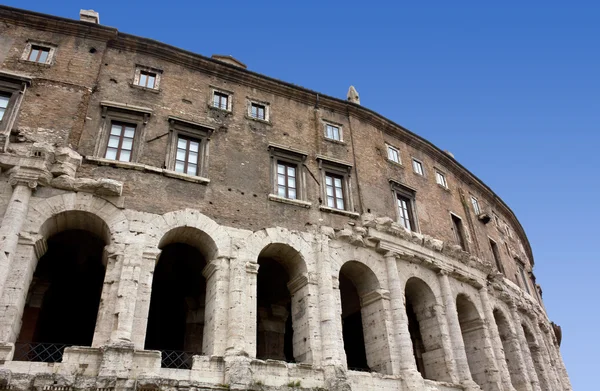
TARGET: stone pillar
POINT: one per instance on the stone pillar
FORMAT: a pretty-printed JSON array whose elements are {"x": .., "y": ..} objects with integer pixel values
[
  {"x": 238, "y": 314},
  {"x": 149, "y": 259},
  {"x": 549, "y": 373},
  {"x": 525, "y": 353},
  {"x": 216, "y": 314},
  {"x": 446, "y": 341},
  {"x": 459, "y": 353},
  {"x": 495, "y": 339},
  {"x": 23, "y": 182},
  {"x": 562, "y": 380},
  {"x": 106, "y": 322},
  {"x": 307, "y": 338},
  {"x": 402, "y": 341},
  {"x": 378, "y": 332}
]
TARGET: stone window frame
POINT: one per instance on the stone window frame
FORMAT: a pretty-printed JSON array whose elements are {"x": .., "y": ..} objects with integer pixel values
[
  {"x": 14, "y": 85},
  {"x": 521, "y": 275},
  {"x": 462, "y": 237},
  {"x": 422, "y": 173},
  {"x": 46, "y": 45},
  {"x": 267, "y": 108},
  {"x": 389, "y": 148},
  {"x": 496, "y": 255},
  {"x": 138, "y": 72},
  {"x": 288, "y": 155},
  {"x": 222, "y": 91},
  {"x": 342, "y": 169},
  {"x": 340, "y": 128},
  {"x": 191, "y": 130},
  {"x": 401, "y": 190},
  {"x": 441, "y": 174},
  {"x": 121, "y": 112}
]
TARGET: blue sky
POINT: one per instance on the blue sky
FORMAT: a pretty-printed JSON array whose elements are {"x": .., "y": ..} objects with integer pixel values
[{"x": 512, "y": 90}]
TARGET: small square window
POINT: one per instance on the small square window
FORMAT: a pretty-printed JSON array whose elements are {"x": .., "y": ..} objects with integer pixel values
[
  {"x": 39, "y": 54},
  {"x": 476, "y": 207},
  {"x": 333, "y": 132},
  {"x": 120, "y": 142},
  {"x": 393, "y": 154},
  {"x": 258, "y": 111},
  {"x": 221, "y": 100},
  {"x": 417, "y": 167},
  {"x": 440, "y": 179},
  {"x": 334, "y": 190},
  {"x": 4, "y": 100},
  {"x": 147, "y": 79}
]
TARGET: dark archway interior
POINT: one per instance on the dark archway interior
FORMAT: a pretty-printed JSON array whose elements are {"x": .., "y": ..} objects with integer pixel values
[
  {"x": 176, "y": 317},
  {"x": 64, "y": 295},
  {"x": 352, "y": 327},
  {"x": 415, "y": 335},
  {"x": 274, "y": 339}
]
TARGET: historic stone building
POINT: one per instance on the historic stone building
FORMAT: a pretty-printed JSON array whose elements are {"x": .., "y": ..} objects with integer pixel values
[{"x": 177, "y": 222}]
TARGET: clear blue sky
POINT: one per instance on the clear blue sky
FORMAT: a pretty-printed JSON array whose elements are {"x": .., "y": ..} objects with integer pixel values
[{"x": 512, "y": 90}]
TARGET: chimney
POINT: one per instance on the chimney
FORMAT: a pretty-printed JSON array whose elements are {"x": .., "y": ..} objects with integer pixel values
[
  {"x": 353, "y": 95},
  {"x": 89, "y": 16}
]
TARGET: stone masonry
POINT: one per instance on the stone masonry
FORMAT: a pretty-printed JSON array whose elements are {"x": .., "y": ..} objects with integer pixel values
[{"x": 177, "y": 222}]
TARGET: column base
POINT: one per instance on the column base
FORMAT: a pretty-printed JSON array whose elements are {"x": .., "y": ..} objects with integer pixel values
[{"x": 412, "y": 380}]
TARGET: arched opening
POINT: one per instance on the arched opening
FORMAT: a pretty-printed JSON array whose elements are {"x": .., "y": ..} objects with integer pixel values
[
  {"x": 471, "y": 327},
  {"x": 178, "y": 299},
  {"x": 364, "y": 325},
  {"x": 510, "y": 346},
  {"x": 279, "y": 334},
  {"x": 424, "y": 330},
  {"x": 64, "y": 295},
  {"x": 536, "y": 357}
]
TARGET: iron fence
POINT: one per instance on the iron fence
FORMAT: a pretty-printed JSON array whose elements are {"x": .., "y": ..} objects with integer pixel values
[
  {"x": 41, "y": 352},
  {"x": 176, "y": 359}
]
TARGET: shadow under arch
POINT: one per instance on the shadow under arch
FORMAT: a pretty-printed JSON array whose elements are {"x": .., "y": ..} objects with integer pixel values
[
  {"x": 282, "y": 313},
  {"x": 176, "y": 319},
  {"x": 471, "y": 327},
  {"x": 364, "y": 329},
  {"x": 64, "y": 294},
  {"x": 424, "y": 328}
]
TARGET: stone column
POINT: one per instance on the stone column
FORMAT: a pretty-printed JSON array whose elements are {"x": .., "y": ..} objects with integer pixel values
[
  {"x": 495, "y": 339},
  {"x": 305, "y": 321},
  {"x": 562, "y": 380},
  {"x": 459, "y": 353},
  {"x": 251, "y": 307},
  {"x": 525, "y": 353},
  {"x": 216, "y": 315},
  {"x": 549, "y": 374},
  {"x": 403, "y": 343},
  {"x": 23, "y": 182},
  {"x": 106, "y": 323},
  {"x": 144, "y": 295},
  {"x": 236, "y": 325}
]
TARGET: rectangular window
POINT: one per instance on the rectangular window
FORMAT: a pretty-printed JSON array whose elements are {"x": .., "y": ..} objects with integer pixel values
[
  {"x": 38, "y": 54},
  {"x": 525, "y": 284},
  {"x": 496, "y": 255},
  {"x": 333, "y": 132},
  {"x": 459, "y": 232},
  {"x": 334, "y": 191},
  {"x": 441, "y": 179},
  {"x": 286, "y": 180},
  {"x": 120, "y": 142},
  {"x": 393, "y": 154},
  {"x": 4, "y": 99},
  {"x": 258, "y": 111},
  {"x": 417, "y": 167},
  {"x": 475, "y": 203},
  {"x": 147, "y": 79},
  {"x": 221, "y": 100},
  {"x": 186, "y": 158},
  {"x": 405, "y": 212}
]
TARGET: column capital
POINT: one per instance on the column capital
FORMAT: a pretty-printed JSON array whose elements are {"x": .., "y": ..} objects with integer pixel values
[
  {"x": 252, "y": 267},
  {"x": 36, "y": 240},
  {"x": 29, "y": 177}
]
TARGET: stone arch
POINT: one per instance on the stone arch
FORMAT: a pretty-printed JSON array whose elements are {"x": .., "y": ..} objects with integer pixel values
[
  {"x": 425, "y": 330},
  {"x": 473, "y": 335},
  {"x": 191, "y": 227},
  {"x": 364, "y": 306},
  {"x": 65, "y": 273},
  {"x": 282, "y": 317},
  {"x": 536, "y": 354},
  {"x": 511, "y": 347}
]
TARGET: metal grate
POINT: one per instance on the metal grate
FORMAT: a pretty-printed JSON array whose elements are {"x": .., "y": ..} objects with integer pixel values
[
  {"x": 176, "y": 360},
  {"x": 41, "y": 352}
]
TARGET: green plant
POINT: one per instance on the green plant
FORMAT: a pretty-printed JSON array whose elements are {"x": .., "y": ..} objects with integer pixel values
[{"x": 293, "y": 384}]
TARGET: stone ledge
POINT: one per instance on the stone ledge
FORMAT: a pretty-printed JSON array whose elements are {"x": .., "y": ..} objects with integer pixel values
[
  {"x": 354, "y": 215},
  {"x": 276, "y": 198}
]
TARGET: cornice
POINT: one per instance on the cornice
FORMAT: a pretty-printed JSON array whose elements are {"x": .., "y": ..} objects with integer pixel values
[{"x": 122, "y": 41}]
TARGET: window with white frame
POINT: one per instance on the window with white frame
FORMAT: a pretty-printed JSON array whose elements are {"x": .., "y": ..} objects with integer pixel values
[
  {"x": 258, "y": 110},
  {"x": 440, "y": 179},
  {"x": 334, "y": 190},
  {"x": 333, "y": 132},
  {"x": 335, "y": 176},
  {"x": 221, "y": 100},
  {"x": 120, "y": 141},
  {"x": 476, "y": 207},
  {"x": 188, "y": 147},
  {"x": 39, "y": 53},
  {"x": 393, "y": 154},
  {"x": 405, "y": 205},
  {"x": 4, "y": 99},
  {"x": 147, "y": 77},
  {"x": 417, "y": 167},
  {"x": 288, "y": 174}
]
